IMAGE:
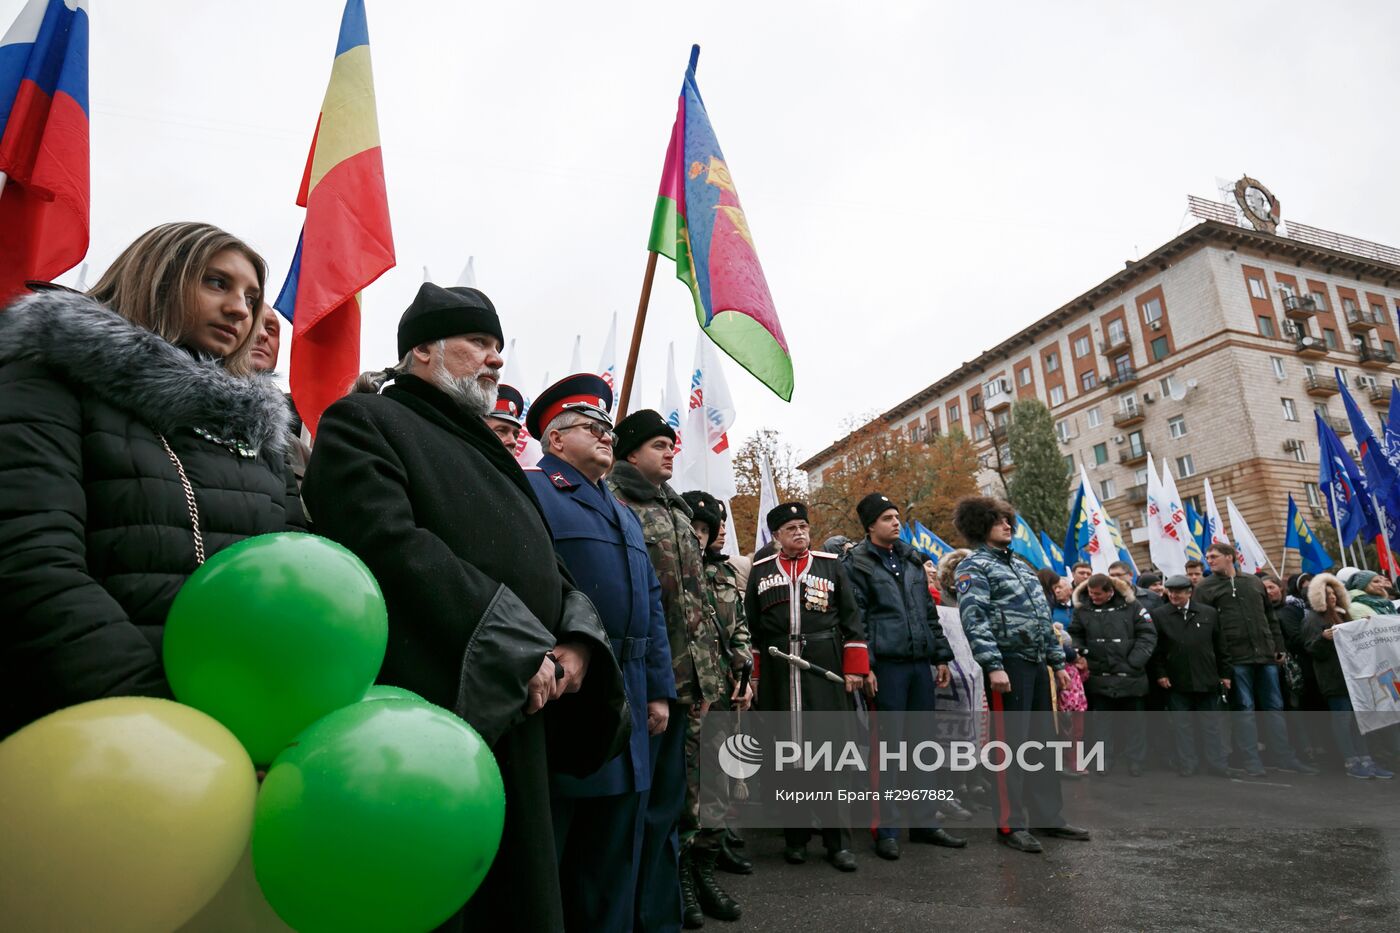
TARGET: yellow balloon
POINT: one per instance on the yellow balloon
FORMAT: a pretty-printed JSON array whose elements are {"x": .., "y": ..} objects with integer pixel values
[
  {"x": 121, "y": 814},
  {"x": 239, "y": 907}
]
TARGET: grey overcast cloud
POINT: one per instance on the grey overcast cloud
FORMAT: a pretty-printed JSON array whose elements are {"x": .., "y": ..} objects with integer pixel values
[{"x": 922, "y": 179}]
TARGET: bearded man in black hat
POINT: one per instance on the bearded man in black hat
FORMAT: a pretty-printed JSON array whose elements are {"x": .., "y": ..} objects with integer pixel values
[
  {"x": 800, "y": 601},
  {"x": 483, "y": 618}
]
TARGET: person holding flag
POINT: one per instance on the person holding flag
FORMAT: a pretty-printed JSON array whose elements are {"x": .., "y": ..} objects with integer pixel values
[{"x": 906, "y": 644}]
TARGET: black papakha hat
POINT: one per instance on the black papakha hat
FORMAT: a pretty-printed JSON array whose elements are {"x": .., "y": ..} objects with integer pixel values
[
  {"x": 872, "y": 507},
  {"x": 438, "y": 313},
  {"x": 705, "y": 508},
  {"x": 788, "y": 511},
  {"x": 638, "y": 428}
]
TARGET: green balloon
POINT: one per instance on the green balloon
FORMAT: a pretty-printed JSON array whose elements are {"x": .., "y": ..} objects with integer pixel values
[
  {"x": 382, "y": 817},
  {"x": 273, "y": 633},
  {"x": 386, "y": 692}
]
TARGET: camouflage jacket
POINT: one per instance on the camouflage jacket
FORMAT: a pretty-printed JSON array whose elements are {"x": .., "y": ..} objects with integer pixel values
[
  {"x": 1004, "y": 611},
  {"x": 727, "y": 604},
  {"x": 696, "y": 656}
]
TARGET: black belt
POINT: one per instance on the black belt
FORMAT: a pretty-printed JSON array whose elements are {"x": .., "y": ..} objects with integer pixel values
[
  {"x": 629, "y": 648},
  {"x": 831, "y": 633}
]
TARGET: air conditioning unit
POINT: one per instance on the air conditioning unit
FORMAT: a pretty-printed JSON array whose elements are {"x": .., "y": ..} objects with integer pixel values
[
  {"x": 1148, "y": 398},
  {"x": 1130, "y": 523},
  {"x": 1155, "y": 325},
  {"x": 1119, "y": 439}
]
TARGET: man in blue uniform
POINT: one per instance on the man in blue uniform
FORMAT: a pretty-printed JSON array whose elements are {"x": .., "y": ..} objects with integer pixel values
[{"x": 597, "y": 819}]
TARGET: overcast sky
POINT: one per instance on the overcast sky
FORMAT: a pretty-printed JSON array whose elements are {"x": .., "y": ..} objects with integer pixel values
[{"x": 921, "y": 179}]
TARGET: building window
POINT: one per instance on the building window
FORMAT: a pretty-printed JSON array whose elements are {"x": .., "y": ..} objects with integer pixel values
[
  {"x": 1177, "y": 426},
  {"x": 1277, "y": 362},
  {"x": 1128, "y": 404},
  {"x": 1093, "y": 417},
  {"x": 1314, "y": 495},
  {"x": 1290, "y": 413},
  {"x": 1062, "y": 430},
  {"x": 1052, "y": 361},
  {"x": 1159, "y": 348},
  {"x": 1089, "y": 380},
  {"x": 933, "y": 430},
  {"x": 1135, "y": 445},
  {"x": 1023, "y": 376},
  {"x": 1329, "y": 337},
  {"x": 1069, "y": 464},
  {"x": 1057, "y": 395},
  {"x": 1152, "y": 311},
  {"x": 1320, "y": 299},
  {"x": 1106, "y": 489},
  {"x": 979, "y": 430},
  {"x": 1287, "y": 288},
  {"x": 1378, "y": 314},
  {"x": 1116, "y": 333},
  {"x": 1081, "y": 347},
  {"x": 1002, "y": 418},
  {"x": 974, "y": 402},
  {"x": 1266, "y": 325},
  {"x": 1320, "y": 408},
  {"x": 1363, "y": 381},
  {"x": 1350, "y": 308},
  {"x": 1100, "y": 454},
  {"x": 1170, "y": 387},
  {"x": 1195, "y": 502},
  {"x": 1185, "y": 466},
  {"x": 954, "y": 412},
  {"x": 1389, "y": 346},
  {"x": 1140, "y": 477},
  {"x": 1122, "y": 366},
  {"x": 1256, "y": 288},
  {"x": 1300, "y": 452}
]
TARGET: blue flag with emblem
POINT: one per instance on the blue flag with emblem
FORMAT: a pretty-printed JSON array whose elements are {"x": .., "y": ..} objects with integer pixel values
[
  {"x": 1381, "y": 478},
  {"x": 1300, "y": 537},
  {"x": 1052, "y": 551},
  {"x": 1195, "y": 534},
  {"x": 1390, "y": 437},
  {"x": 1077, "y": 535},
  {"x": 1342, "y": 486},
  {"x": 929, "y": 543},
  {"x": 1025, "y": 543}
]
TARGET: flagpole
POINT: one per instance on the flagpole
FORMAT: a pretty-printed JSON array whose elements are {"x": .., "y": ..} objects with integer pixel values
[
  {"x": 636, "y": 346},
  {"x": 1282, "y": 562}
]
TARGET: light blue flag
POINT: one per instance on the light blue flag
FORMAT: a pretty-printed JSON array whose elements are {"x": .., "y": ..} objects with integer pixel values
[
  {"x": 1052, "y": 551},
  {"x": 929, "y": 543},
  {"x": 1025, "y": 543}
]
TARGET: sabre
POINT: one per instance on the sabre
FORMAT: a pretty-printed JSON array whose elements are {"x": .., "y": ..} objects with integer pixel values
[{"x": 805, "y": 665}]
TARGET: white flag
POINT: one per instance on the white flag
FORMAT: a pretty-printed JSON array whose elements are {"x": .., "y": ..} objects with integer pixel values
[
  {"x": 673, "y": 405},
  {"x": 576, "y": 361},
  {"x": 706, "y": 464},
  {"x": 607, "y": 363},
  {"x": 82, "y": 285},
  {"x": 1101, "y": 548},
  {"x": 1369, "y": 652},
  {"x": 731, "y": 534},
  {"x": 1163, "y": 542},
  {"x": 427, "y": 276},
  {"x": 767, "y": 502},
  {"x": 1252, "y": 556},
  {"x": 1175, "y": 519},
  {"x": 468, "y": 277},
  {"x": 527, "y": 449},
  {"x": 1215, "y": 528}
]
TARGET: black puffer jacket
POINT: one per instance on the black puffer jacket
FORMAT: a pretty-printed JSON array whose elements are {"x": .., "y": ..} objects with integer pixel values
[
  {"x": 1117, "y": 638},
  {"x": 901, "y": 620},
  {"x": 95, "y": 529}
]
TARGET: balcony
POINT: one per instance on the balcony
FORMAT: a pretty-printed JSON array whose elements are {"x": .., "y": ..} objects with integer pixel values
[
  {"x": 1110, "y": 344},
  {"x": 1374, "y": 357},
  {"x": 1120, "y": 379},
  {"x": 1379, "y": 396},
  {"x": 1310, "y": 347},
  {"x": 1129, "y": 417},
  {"x": 1360, "y": 319},
  {"x": 1132, "y": 456},
  {"x": 1299, "y": 307},
  {"x": 998, "y": 402},
  {"x": 1320, "y": 386},
  {"x": 999, "y": 433},
  {"x": 1137, "y": 495},
  {"x": 1339, "y": 426}
]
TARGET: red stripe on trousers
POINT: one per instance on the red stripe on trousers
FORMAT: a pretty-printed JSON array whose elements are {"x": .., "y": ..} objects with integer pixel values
[{"x": 999, "y": 735}]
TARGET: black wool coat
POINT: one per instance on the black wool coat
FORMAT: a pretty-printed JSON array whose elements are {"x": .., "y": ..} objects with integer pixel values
[
  {"x": 430, "y": 500},
  {"x": 96, "y": 536},
  {"x": 1190, "y": 648}
]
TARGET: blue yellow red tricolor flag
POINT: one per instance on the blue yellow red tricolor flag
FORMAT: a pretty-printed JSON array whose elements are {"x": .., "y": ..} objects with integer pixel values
[
  {"x": 44, "y": 191},
  {"x": 699, "y": 223},
  {"x": 345, "y": 242}
]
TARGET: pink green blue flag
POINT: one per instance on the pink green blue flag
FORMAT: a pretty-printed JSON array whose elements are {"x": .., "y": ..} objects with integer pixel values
[{"x": 700, "y": 224}]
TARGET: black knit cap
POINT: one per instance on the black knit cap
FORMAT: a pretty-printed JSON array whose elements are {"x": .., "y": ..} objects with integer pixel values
[
  {"x": 705, "y": 508},
  {"x": 438, "y": 313},
  {"x": 785, "y": 513},
  {"x": 872, "y": 507},
  {"x": 638, "y": 428}
]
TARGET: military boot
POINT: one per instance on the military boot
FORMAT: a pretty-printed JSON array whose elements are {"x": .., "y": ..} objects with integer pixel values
[
  {"x": 713, "y": 899},
  {"x": 691, "y": 915},
  {"x": 731, "y": 861}
]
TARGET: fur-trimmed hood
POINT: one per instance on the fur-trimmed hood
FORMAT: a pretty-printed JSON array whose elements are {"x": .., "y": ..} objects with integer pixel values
[
  {"x": 947, "y": 569},
  {"x": 1317, "y": 593},
  {"x": 1080, "y": 599},
  {"x": 138, "y": 371}
]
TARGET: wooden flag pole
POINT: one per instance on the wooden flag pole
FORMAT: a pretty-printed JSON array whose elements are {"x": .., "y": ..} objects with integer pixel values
[{"x": 635, "y": 348}]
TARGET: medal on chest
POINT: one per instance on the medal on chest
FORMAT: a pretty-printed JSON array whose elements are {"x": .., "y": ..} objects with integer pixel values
[{"x": 816, "y": 593}]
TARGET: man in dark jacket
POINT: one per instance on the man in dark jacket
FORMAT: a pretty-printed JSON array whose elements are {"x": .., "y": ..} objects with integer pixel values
[
  {"x": 1190, "y": 665},
  {"x": 905, "y": 639},
  {"x": 1007, "y": 620},
  {"x": 1254, "y": 650},
  {"x": 1113, "y": 632},
  {"x": 483, "y": 618},
  {"x": 597, "y": 819}
]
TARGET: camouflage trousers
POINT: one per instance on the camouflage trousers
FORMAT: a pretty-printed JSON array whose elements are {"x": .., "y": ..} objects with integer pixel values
[{"x": 703, "y": 826}]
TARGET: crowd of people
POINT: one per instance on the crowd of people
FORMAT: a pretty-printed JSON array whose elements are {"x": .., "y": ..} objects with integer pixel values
[{"x": 581, "y": 614}]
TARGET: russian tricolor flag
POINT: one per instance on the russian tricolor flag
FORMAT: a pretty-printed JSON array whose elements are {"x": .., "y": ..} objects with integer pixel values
[
  {"x": 44, "y": 194},
  {"x": 345, "y": 240}
]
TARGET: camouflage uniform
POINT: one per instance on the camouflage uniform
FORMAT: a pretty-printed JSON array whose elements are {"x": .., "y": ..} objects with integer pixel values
[{"x": 1004, "y": 611}]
